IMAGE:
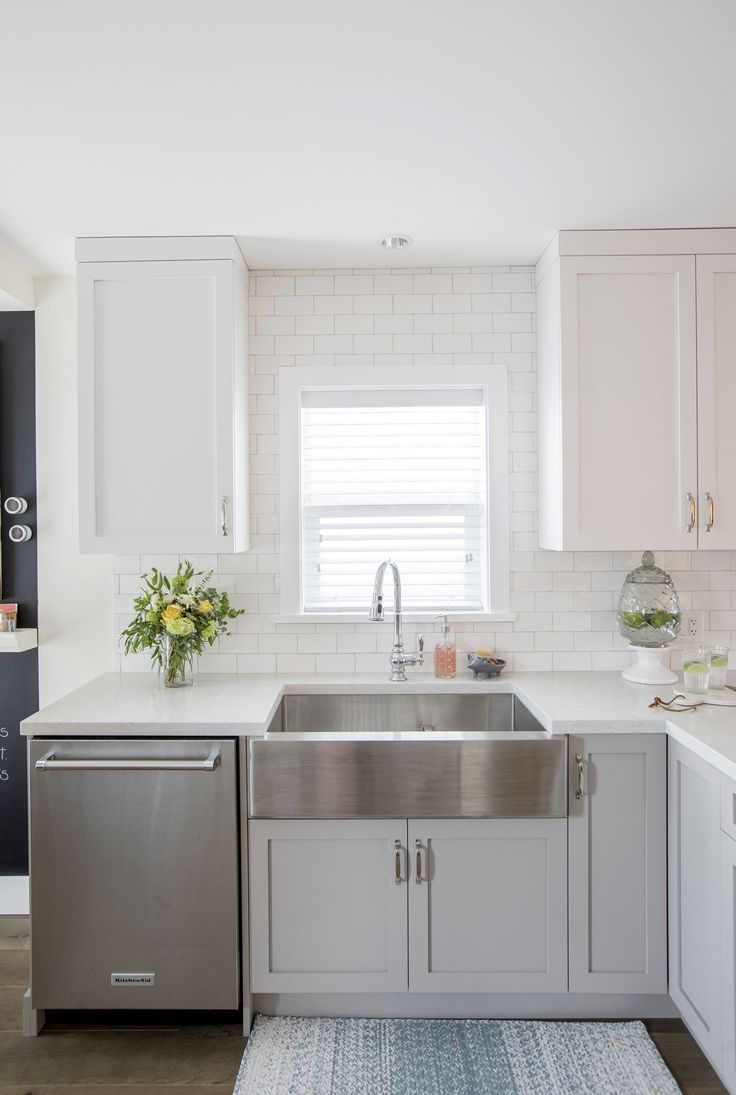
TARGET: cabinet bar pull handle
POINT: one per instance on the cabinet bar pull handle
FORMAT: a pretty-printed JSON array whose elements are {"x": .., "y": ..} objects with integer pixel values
[
  {"x": 581, "y": 776},
  {"x": 223, "y": 516},
  {"x": 711, "y": 511},
  {"x": 418, "y": 846},
  {"x": 691, "y": 503},
  {"x": 397, "y": 875},
  {"x": 48, "y": 762}
]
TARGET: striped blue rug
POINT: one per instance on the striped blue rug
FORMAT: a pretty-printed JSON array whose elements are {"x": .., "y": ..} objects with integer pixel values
[{"x": 291, "y": 1056}]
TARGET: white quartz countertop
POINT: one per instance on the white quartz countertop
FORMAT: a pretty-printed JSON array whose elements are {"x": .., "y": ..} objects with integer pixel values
[{"x": 136, "y": 705}]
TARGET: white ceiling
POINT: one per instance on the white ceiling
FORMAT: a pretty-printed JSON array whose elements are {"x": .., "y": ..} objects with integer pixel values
[{"x": 311, "y": 128}]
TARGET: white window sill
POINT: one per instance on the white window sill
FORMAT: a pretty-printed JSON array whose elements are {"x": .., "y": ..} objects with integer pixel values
[{"x": 407, "y": 617}]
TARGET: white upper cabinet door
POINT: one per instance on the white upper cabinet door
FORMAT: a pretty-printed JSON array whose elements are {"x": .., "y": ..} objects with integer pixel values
[
  {"x": 163, "y": 406},
  {"x": 694, "y": 870},
  {"x": 617, "y": 402},
  {"x": 618, "y": 863},
  {"x": 328, "y": 906},
  {"x": 488, "y": 906},
  {"x": 716, "y": 400}
]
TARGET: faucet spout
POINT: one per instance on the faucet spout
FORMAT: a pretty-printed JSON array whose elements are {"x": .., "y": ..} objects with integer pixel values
[{"x": 399, "y": 658}]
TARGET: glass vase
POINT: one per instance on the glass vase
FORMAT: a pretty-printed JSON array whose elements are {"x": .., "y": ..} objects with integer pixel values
[{"x": 177, "y": 663}]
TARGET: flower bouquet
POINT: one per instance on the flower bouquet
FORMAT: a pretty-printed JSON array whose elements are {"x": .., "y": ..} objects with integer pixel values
[{"x": 177, "y": 618}]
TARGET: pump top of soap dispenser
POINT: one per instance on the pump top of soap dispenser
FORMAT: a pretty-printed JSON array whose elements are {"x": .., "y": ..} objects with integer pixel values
[{"x": 445, "y": 628}]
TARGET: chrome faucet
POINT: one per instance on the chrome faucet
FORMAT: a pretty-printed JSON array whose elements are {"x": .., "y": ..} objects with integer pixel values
[{"x": 399, "y": 657}]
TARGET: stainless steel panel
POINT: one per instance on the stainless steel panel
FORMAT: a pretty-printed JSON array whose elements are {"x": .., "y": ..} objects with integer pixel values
[
  {"x": 437, "y": 777},
  {"x": 134, "y": 870},
  {"x": 360, "y": 713}
]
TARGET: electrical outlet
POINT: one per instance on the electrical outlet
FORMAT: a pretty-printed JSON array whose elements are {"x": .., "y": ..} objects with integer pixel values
[{"x": 692, "y": 629}]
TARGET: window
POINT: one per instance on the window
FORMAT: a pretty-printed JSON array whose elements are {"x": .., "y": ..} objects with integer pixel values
[{"x": 394, "y": 469}]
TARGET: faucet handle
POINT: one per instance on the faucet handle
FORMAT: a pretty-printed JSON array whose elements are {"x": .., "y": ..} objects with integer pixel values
[{"x": 420, "y": 644}]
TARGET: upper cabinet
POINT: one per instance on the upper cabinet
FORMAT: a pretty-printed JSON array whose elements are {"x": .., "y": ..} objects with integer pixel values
[
  {"x": 635, "y": 390},
  {"x": 717, "y": 400},
  {"x": 163, "y": 395}
]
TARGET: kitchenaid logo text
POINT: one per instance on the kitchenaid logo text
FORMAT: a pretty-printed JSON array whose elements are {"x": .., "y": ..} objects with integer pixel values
[{"x": 132, "y": 978}]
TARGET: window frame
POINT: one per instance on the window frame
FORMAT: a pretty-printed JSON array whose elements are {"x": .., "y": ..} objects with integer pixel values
[{"x": 493, "y": 379}]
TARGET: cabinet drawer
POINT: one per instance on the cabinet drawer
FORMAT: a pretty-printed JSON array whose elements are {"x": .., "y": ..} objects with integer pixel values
[{"x": 728, "y": 806}]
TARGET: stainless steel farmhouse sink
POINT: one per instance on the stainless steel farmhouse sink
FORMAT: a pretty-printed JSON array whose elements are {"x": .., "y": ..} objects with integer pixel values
[
  {"x": 388, "y": 712},
  {"x": 441, "y": 755}
]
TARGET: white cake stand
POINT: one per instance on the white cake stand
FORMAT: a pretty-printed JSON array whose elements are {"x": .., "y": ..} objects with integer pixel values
[{"x": 649, "y": 667}]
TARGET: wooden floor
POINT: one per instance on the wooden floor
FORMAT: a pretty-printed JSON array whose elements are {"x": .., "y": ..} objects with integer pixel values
[{"x": 184, "y": 1060}]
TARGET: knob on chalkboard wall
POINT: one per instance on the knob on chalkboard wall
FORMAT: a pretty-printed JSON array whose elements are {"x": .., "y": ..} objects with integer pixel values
[{"x": 19, "y": 534}]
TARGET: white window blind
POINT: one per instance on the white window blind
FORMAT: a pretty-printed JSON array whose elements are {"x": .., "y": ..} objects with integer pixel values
[{"x": 397, "y": 473}]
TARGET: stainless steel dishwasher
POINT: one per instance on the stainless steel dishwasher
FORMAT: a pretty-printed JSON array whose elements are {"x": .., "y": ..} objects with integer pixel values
[{"x": 134, "y": 874}]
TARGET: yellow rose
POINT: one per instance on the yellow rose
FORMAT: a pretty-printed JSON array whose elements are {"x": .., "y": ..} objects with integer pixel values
[
  {"x": 171, "y": 612},
  {"x": 204, "y": 608}
]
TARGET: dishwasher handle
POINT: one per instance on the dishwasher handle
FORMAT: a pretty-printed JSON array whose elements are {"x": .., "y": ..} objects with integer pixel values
[{"x": 48, "y": 762}]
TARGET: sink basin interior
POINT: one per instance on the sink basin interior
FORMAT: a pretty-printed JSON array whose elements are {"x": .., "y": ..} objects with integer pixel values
[{"x": 365, "y": 713}]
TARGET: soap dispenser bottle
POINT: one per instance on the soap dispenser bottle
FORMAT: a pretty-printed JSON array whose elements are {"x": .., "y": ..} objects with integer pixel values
[{"x": 445, "y": 652}]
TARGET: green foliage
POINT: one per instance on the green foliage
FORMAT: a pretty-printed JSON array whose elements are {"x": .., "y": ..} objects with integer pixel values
[{"x": 177, "y": 618}]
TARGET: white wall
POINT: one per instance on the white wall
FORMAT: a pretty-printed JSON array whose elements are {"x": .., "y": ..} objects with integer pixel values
[
  {"x": 564, "y": 602},
  {"x": 16, "y": 281},
  {"x": 74, "y": 591}
]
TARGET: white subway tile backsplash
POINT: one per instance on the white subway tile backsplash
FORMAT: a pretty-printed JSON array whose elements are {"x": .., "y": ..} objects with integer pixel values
[
  {"x": 564, "y": 602},
  {"x": 329, "y": 306},
  {"x": 353, "y": 284},
  {"x": 451, "y": 302},
  {"x": 565, "y": 662},
  {"x": 411, "y": 302},
  {"x": 472, "y": 283}
]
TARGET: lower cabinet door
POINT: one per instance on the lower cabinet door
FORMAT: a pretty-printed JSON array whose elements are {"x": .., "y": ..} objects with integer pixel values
[
  {"x": 328, "y": 906},
  {"x": 618, "y": 863},
  {"x": 693, "y": 803},
  {"x": 728, "y": 957},
  {"x": 488, "y": 905}
]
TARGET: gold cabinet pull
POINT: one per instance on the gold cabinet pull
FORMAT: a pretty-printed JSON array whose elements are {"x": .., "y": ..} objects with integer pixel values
[
  {"x": 581, "y": 776},
  {"x": 418, "y": 846},
  {"x": 397, "y": 864},
  {"x": 693, "y": 512},
  {"x": 711, "y": 512}
]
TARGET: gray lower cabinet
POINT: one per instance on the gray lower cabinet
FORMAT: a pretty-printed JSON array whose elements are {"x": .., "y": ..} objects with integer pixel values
[
  {"x": 695, "y": 896},
  {"x": 618, "y": 863},
  {"x": 328, "y": 906},
  {"x": 487, "y": 905},
  {"x": 424, "y": 906}
]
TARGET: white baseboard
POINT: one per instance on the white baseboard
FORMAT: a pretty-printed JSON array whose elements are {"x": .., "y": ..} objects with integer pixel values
[{"x": 14, "y": 895}]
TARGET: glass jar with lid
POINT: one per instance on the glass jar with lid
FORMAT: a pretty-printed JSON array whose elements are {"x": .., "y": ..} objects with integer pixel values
[{"x": 649, "y": 617}]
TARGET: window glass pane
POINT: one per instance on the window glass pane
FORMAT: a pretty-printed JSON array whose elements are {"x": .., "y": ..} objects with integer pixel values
[{"x": 400, "y": 474}]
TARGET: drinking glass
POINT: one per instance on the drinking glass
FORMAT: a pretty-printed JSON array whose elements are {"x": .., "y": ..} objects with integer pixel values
[
  {"x": 718, "y": 666},
  {"x": 696, "y": 669}
]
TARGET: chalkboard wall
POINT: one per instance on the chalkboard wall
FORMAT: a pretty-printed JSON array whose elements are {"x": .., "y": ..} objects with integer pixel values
[{"x": 18, "y": 672}]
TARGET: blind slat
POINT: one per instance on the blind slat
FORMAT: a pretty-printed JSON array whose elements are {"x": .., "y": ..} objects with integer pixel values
[{"x": 393, "y": 474}]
